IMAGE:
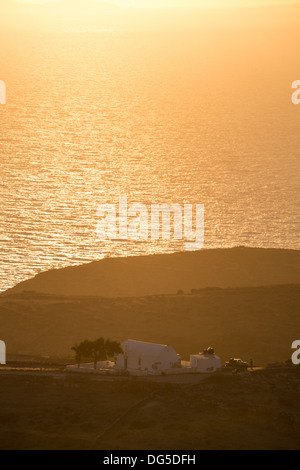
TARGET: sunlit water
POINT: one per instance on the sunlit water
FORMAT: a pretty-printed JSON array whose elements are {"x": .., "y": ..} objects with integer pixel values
[{"x": 159, "y": 117}]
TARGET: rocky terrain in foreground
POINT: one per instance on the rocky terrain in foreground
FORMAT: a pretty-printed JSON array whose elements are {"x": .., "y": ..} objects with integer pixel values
[{"x": 257, "y": 410}]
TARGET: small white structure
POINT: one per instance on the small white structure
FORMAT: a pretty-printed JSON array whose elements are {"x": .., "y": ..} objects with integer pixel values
[
  {"x": 150, "y": 357},
  {"x": 205, "y": 362}
]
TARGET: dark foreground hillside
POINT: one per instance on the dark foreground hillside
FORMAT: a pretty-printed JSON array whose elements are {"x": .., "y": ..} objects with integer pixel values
[
  {"x": 258, "y": 323},
  {"x": 259, "y": 410}
]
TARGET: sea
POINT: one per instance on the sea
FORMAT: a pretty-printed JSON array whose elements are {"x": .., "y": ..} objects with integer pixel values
[{"x": 160, "y": 115}]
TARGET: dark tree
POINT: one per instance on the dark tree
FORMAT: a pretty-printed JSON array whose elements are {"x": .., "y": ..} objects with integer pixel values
[
  {"x": 98, "y": 350},
  {"x": 82, "y": 350}
]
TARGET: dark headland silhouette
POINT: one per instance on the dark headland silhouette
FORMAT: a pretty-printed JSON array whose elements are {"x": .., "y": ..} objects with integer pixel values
[{"x": 169, "y": 273}]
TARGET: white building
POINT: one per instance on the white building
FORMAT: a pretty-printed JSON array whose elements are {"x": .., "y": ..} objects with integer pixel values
[
  {"x": 149, "y": 357},
  {"x": 205, "y": 362}
]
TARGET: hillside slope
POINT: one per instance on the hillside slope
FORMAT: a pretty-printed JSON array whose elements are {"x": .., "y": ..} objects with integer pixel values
[
  {"x": 259, "y": 322},
  {"x": 167, "y": 273}
]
